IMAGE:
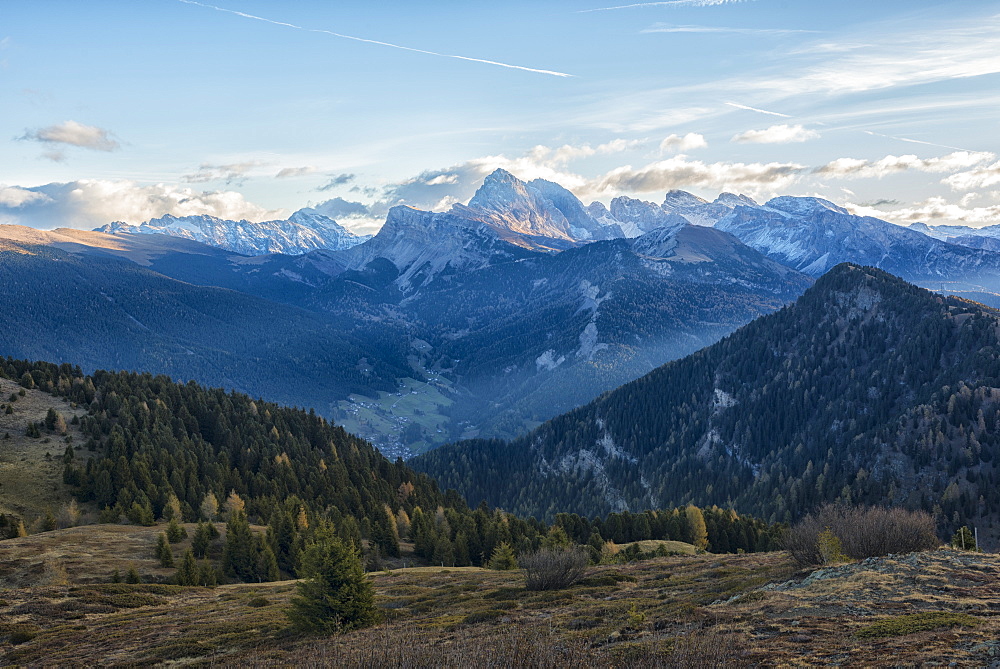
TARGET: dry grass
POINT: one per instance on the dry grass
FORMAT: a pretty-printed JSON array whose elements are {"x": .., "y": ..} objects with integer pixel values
[
  {"x": 31, "y": 469},
  {"x": 690, "y": 611},
  {"x": 87, "y": 554},
  {"x": 650, "y": 545}
]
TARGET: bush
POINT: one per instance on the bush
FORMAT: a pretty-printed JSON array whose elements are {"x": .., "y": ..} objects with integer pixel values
[
  {"x": 916, "y": 622},
  {"x": 554, "y": 568},
  {"x": 862, "y": 532}
]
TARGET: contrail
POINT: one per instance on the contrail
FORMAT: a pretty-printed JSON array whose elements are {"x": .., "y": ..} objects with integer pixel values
[
  {"x": 376, "y": 42},
  {"x": 666, "y": 3},
  {"x": 915, "y": 141},
  {"x": 753, "y": 109}
]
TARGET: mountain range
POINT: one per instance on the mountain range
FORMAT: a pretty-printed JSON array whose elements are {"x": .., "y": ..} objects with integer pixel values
[
  {"x": 481, "y": 321},
  {"x": 444, "y": 325},
  {"x": 867, "y": 389},
  {"x": 305, "y": 230}
]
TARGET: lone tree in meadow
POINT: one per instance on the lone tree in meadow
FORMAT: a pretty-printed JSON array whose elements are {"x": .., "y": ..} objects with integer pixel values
[{"x": 335, "y": 595}]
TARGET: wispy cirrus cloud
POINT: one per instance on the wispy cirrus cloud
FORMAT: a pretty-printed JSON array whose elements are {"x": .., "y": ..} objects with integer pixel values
[
  {"x": 776, "y": 134},
  {"x": 956, "y": 51},
  {"x": 672, "y": 28},
  {"x": 911, "y": 141},
  {"x": 377, "y": 42},
  {"x": 756, "y": 109},
  {"x": 665, "y": 3},
  {"x": 857, "y": 168},
  {"x": 72, "y": 133},
  {"x": 231, "y": 173}
]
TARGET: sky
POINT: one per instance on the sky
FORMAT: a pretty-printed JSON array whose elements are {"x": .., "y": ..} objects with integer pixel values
[{"x": 117, "y": 110}]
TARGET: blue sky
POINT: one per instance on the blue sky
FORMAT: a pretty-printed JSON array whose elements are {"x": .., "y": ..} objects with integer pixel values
[{"x": 129, "y": 110}]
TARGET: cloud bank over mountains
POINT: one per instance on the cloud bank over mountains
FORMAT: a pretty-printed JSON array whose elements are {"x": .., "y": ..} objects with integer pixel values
[{"x": 89, "y": 203}]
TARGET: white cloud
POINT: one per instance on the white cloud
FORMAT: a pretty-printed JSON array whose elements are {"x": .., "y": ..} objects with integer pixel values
[
  {"x": 776, "y": 134},
  {"x": 935, "y": 209},
  {"x": 89, "y": 203},
  {"x": 675, "y": 143},
  {"x": 15, "y": 197},
  {"x": 983, "y": 177},
  {"x": 855, "y": 168},
  {"x": 74, "y": 134},
  {"x": 679, "y": 172},
  {"x": 291, "y": 172},
  {"x": 620, "y": 145}
]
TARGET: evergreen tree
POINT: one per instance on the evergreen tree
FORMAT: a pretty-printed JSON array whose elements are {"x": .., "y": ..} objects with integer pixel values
[
  {"x": 175, "y": 533},
  {"x": 163, "y": 553},
  {"x": 238, "y": 557},
  {"x": 503, "y": 557},
  {"x": 335, "y": 595},
  {"x": 202, "y": 539},
  {"x": 132, "y": 575},
  {"x": 187, "y": 573}
]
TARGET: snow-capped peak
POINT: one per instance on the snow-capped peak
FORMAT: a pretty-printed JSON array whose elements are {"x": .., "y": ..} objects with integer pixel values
[{"x": 800, "y": 206}]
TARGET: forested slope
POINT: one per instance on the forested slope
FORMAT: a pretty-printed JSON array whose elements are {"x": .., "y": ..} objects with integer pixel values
[{"x": 867, "y": 389}]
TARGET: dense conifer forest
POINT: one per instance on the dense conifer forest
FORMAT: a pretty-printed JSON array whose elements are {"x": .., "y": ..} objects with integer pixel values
[
  {"x": 159, "y": 449},
  {"x": 866, "y": 390}
]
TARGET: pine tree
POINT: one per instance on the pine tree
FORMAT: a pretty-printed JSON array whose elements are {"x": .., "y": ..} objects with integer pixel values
[
  {"x": 175, "y": 533},
  {"x": 237, "y": 556},
  {"x": 335, "y": 595},
  {"x": 187, "y": 573},
  {"x": 132, "y": 575},
  {"x": 207, "y": 575},
  {"x": 163, "y": 553},
  {"x": 202, "y": 539}
]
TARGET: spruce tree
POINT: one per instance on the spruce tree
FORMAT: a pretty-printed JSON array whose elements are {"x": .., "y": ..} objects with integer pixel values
[
  {"x": 175, "y": 533},
  {"x": 335, "y": 595},
  {"x": 238, "y": 555},
  {"x": 163, "y": 553},
  {"x": 503, "y": 557},
  {"x": 187, "y": 573}
]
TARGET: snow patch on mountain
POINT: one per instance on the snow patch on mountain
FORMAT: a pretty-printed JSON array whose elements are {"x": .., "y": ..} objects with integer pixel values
[
  {"x": 304, "y": 231},
  {"x": 548, "y": 361}
]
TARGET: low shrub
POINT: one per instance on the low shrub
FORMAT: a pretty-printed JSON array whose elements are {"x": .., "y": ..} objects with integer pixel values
[
  {"x": 836, "y": 532},
  {"x": 484, "y": 616},
  {"x": 916, "y": 622},
  {"x": 554, "y": 568}
]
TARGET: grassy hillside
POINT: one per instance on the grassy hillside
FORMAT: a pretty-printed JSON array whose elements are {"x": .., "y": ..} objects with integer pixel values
[
  {"x": 31, "y": 468},
  {"x": 734, "y": 610}
]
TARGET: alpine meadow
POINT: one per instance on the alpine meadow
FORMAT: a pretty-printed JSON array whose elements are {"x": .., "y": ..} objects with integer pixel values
[{"x": 561, "y": 334}]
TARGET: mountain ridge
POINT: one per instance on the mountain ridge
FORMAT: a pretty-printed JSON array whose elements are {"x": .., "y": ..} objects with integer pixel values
[{"x": 829, "y": 399}]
